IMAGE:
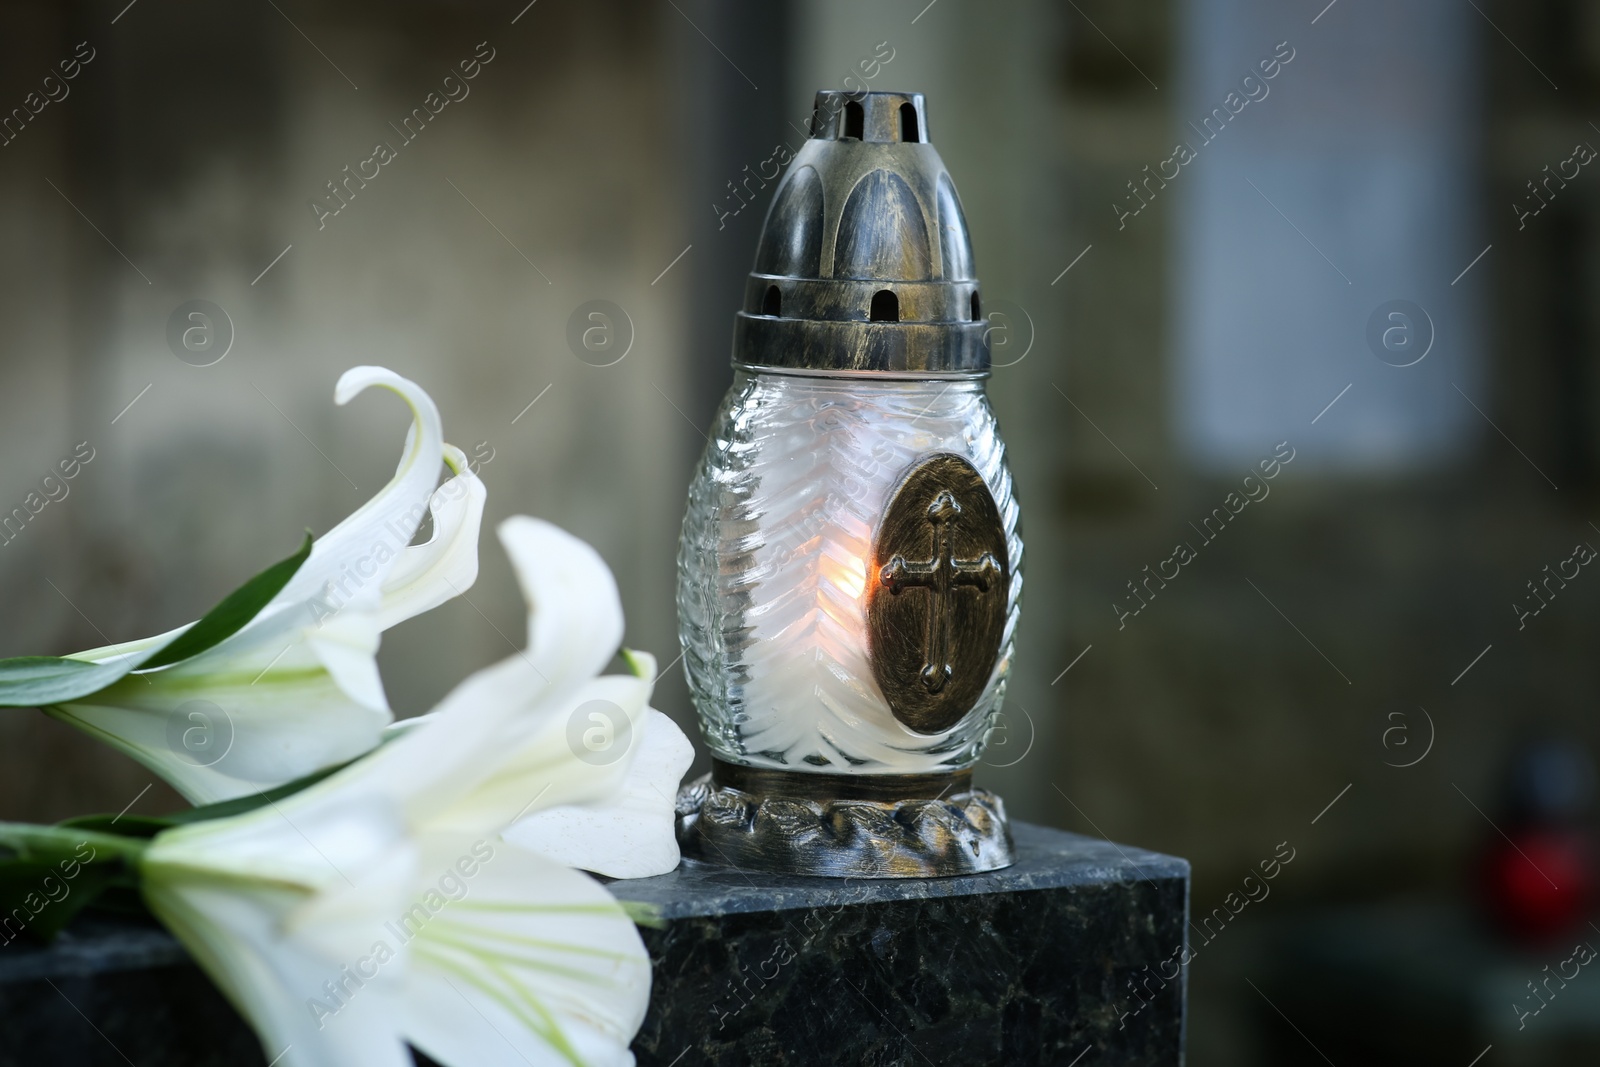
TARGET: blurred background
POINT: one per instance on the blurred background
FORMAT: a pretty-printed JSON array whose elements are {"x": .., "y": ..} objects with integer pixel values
[{"x": 1355, "y": 240}]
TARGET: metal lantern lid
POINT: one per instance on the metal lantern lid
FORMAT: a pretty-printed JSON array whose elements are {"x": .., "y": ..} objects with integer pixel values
[{"x": 864, "y": 262}]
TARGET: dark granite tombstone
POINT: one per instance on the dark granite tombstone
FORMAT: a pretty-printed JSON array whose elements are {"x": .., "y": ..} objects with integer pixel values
[
  {"x": 1034, "y": 964},
  {"x": 1052, "y": 961}
]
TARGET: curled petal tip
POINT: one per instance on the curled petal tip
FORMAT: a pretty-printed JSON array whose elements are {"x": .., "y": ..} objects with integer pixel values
[
  {"x": 456, "y": 460},
  {"x": 353, "y": 381},
  {"x": 574, "y": 609}
]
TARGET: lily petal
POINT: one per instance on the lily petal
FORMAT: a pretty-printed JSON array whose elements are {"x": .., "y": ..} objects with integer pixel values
[
  {"x": 277, "y": 701},
  {"x": 234, "y": 930},
  {"x": 629, "y": 833},
  {"x": 530, "y": 699},
  {"x": 574, "y": 610},
  {"x": 445, "y": 565},
  {"x": 297, "y": 689},
  {"x": 359, "y": 551},
  {"x": 504, "y": 956},
  {"x": 541, "y": 953},
  {"x": 538, "y": 768}
]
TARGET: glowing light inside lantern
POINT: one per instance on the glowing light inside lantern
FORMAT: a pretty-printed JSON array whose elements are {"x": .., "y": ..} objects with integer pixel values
[{"x": 784, "y": 655}]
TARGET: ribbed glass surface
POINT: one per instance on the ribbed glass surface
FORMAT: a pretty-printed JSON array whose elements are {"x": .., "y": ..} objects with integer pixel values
[{"x": 772, "y": 568}]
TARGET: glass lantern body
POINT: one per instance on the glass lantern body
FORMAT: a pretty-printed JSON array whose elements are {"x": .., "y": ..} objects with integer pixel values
[{"x": 775, "y": 566}]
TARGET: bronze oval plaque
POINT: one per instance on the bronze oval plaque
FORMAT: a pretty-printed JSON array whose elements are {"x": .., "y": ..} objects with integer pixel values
[{"x": 936, "y": 612}]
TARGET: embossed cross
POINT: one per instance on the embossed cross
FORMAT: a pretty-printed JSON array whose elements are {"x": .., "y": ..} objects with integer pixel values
[{"x": 941, "y": 576}]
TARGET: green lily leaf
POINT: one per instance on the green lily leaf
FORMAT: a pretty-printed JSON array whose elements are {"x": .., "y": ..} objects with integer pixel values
[
  {"x": 224, "y": 808},
  {"x": 231, "y": 615},
  {"x": 142, "y": 826},
  {"x": 148, "y": 826},
  {"x": 50, "y": 873},
  {"x": 34, "y": 681},
  {"x": 40, "y": 899},
  {"x": 37, "y": 681}
]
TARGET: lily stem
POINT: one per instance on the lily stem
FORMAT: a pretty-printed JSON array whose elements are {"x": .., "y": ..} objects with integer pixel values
[{"x": 52, "y": 843}]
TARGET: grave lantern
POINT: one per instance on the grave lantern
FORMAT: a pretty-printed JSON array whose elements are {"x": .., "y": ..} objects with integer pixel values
[{"x": 850, "y": 563}]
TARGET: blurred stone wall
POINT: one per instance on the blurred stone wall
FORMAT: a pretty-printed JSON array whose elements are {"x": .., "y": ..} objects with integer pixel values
[
  {"x": 1325, "y": 637},
  {"x": 192, "y": 144}
]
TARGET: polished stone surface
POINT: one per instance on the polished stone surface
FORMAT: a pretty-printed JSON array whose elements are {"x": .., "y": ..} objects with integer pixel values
[
  {"x": 110, "y": 993},
  {"x": 1029, "y": 965}
]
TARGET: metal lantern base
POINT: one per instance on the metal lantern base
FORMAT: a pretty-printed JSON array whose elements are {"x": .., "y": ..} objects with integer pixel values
[{"x": 843, "y": 825}]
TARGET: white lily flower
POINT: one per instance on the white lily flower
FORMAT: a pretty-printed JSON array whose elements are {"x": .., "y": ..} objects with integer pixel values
[
  {"x": 621, "y": 824},
  {"x": 626, "y": 828},
  {"x": 297, "y": 688},
  {"x": 379, "y": 906},
  {"x": 630, "y": 832}
]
